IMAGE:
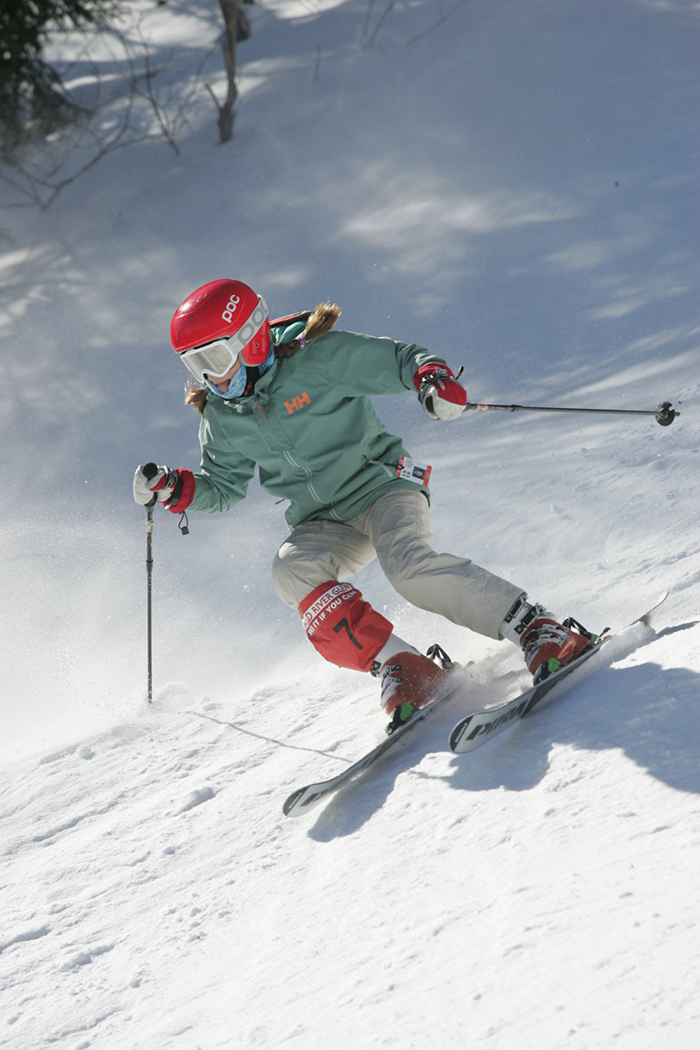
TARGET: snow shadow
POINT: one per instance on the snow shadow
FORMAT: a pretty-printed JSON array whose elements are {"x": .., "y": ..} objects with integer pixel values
[
  {"x": 348, "y": 811},
  {"x": 649, "y": 712}
]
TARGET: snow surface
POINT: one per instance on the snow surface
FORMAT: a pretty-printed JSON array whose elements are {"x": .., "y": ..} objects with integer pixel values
[{"x": 514, "y": 184}]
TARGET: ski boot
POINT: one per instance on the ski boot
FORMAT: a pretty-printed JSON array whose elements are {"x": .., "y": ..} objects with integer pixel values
[
  {"x": 410, "y": 681},
  {"x": 548, "y": 645}
]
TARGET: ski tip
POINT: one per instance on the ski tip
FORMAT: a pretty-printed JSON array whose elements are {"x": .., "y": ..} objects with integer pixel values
[
  {"x": 304, "y": 799},
  {"x": 290, "y": 804},
  {"x": 649, "y": 616}
]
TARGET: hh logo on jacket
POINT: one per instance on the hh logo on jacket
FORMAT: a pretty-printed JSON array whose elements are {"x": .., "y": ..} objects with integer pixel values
[{"x": 297, "y": 403}]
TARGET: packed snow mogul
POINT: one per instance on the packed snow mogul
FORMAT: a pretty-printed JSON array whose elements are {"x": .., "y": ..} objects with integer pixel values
[{"x": 292, "y": 397}]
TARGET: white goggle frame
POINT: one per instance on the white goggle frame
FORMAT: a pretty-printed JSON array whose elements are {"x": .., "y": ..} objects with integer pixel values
[{"x": 218, "y": 357}]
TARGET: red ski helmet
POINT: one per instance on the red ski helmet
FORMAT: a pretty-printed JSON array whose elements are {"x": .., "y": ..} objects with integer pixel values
[{"x": 218, "y": 322}]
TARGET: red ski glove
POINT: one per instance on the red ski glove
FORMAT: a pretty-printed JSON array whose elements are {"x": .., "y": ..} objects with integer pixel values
[
  {"x": 173, "y": 488},
  {"x": 441, "y": 396}
]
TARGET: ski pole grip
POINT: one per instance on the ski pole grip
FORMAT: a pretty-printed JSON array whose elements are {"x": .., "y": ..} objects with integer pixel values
[{"x": 149, "y": 471}]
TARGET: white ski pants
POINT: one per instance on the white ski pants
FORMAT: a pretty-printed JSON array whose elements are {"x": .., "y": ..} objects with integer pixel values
[{"x": 396, "y": 530}]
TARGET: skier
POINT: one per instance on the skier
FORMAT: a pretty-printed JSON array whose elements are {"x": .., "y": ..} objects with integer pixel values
[{"x": 292, "y": 397}]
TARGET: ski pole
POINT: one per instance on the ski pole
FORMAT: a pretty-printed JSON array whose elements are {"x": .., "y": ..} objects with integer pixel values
[
  {"x": 664, "y": 413},
  {"x": 150, "y": 470}
]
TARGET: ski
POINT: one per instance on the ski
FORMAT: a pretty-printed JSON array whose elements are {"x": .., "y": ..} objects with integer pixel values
[
  {"x": 480, "y": 727},
  {"x": 305, "y": 798},
  {"x": 469, "y": 733}
]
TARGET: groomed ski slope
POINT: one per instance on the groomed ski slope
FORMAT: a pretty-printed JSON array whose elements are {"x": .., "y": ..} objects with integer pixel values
[
  {"x": 541, "y": 892},
  {"x": 515, "y": 185}
]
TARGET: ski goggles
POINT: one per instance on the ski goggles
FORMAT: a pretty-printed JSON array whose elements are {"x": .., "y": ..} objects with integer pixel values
[{"x": 217, "y": 358}]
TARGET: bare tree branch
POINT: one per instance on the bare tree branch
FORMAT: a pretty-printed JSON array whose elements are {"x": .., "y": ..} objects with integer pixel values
[
  {"x": 44, "y": 166},
  {"x": 380, "y": 22},
  {"x": 229, "y": 39},
  {"x": 441, "y": 19},
  {"x": 144, "y": 106}
]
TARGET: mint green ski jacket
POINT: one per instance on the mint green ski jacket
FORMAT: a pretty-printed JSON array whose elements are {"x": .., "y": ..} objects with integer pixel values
[{"x": 310, "y": 428}]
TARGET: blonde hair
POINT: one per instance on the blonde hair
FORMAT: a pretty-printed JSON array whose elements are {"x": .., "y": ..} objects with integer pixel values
[{"x": 320, "y": 321}]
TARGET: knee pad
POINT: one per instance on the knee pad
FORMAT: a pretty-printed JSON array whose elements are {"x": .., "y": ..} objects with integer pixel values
[{"x": 342, "y": 627}]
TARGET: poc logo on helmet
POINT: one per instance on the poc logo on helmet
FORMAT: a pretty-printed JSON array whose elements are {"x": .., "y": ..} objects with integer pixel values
[{"x": 231, "y": 305}]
